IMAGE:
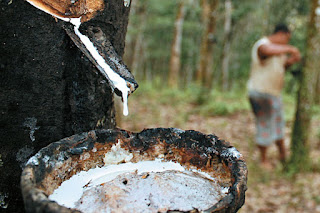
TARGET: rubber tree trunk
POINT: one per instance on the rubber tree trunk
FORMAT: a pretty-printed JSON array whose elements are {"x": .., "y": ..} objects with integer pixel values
[
  {"x": 138, "y": 50},
  {"x": 175, "y": 61},
  {"x": 301, "y": 128},
  {"x": 226, "y": 45},
  {"x": 317, "y": 96},
  {"x": 49, "y": 89},
  {"x": 209, "y": 20}
]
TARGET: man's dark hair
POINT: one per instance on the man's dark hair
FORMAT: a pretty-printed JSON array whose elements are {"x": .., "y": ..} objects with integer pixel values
[{"x": 281, "y": 28}]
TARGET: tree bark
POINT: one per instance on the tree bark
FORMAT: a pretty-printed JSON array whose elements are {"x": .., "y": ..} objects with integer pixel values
[
  {"x": 317, "y": 96},
  {"x": 209, "y": 20},
  {"x": 226, "y": 46},
  {"x": 211, "y": 29},
  {"x": 175, "y": 62},
  {"x": 301, "y": 128},
  {"x": 49, "y": 89},
  {"x": 138, "y": 46}
]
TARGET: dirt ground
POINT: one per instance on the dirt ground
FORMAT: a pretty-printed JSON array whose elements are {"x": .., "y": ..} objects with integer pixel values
[{"x": 268, "y": 190}]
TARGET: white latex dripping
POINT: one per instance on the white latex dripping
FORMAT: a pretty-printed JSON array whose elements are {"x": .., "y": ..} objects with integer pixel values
[{"x": 116, "y": 79}]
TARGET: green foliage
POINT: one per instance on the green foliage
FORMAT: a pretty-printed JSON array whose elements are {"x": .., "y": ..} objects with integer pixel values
[
  {"x": 316, "y": 111},
  {"x": 204, "y": 101},
  {"x": 159, "y": 33},
  {"x": 191, "y": 43},
  {"x": 218, "y": 103},
  {"x": 217, "y": 108},
  {"x": 316, "y": 198},
  {"x": 242, "y": 10},
  {"x": 207, "y": 102}
]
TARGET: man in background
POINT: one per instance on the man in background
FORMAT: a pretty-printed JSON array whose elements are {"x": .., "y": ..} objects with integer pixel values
[{"x": 270, "y": 56}]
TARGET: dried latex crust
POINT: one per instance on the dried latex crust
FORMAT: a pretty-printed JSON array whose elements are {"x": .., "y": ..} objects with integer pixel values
[{"x": 86, "y": 9}]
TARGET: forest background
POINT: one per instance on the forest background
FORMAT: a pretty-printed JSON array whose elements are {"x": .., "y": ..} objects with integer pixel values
[{"x": 192, "y": 61}]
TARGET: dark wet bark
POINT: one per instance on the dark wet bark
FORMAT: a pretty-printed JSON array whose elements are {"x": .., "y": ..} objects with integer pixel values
[{"x": 49, "y": 89}]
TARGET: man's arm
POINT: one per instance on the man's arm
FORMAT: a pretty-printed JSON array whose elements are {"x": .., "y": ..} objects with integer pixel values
[
  {"x": 267, "y": 50},
  {"x": 294, "y": 58}
]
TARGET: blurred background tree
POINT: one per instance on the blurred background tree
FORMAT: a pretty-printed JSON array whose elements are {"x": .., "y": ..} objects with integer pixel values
[
  {"x": 204, "y": 69},
  {"x": 300, "y": 159},
  {"x": 175, "y": 59},
  {"x": 212, "y": 41}
]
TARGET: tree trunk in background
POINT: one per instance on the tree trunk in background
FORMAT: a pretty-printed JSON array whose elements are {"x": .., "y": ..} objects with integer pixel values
[
  {"x": 317, "y": 96},
  {"x": 208, "y": 75},
  {"x": 49, "y": 89},
  {"x": 301, "y": 128},
  {"x": 138, "y": 47},
  {"x": 266, "y": 17},
  {"x": 226, "y": 45},
  {"x": 209, "y": 21},
  {"x": 175, "y": 62}
]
